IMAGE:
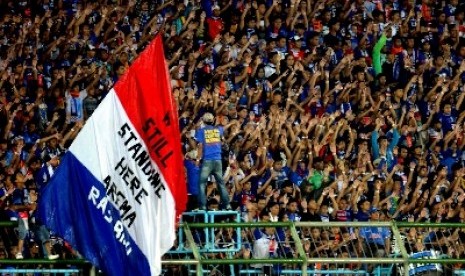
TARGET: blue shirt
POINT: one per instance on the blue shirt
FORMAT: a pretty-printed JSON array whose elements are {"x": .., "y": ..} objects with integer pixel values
[
  {"x": 389, "y": 151},
  {"x": 450, "y": 157},
  {"x": 447, "y": 121},
  {"x": 376, "y": 235},
  {"x": 210, "y": 137},
  {"x": 19, "y": 197},
  {"x": 362, "y": 216},
  {"x": 294, "y": 217},
  {"x": 10, "y": 154},
  {"x": 42, "y": 177},
  {"x": 419, "y": 268},
  {"x": 283, "y": 175},
  {"x": 298, "y": 176},
  {"x": 30, "y": 138},
  {"x": 193, "y": 176}
]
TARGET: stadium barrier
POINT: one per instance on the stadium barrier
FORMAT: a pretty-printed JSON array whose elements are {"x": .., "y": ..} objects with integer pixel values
[
  {"x": 212, "y": 247},
  {"x": 293, "y": 256}
]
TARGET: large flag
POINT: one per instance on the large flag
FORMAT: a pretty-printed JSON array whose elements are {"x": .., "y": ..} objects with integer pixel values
[{"x": 117, "y": 193}]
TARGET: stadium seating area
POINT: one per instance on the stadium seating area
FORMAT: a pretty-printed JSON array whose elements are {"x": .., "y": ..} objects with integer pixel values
[{"x": 332, "y": 110}]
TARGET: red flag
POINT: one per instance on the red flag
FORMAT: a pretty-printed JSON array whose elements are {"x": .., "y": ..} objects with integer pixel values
[{"x": 155, "y": 120}]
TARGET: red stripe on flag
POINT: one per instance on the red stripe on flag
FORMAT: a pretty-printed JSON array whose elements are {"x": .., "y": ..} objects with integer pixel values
[{"x": 145, "y": 93}]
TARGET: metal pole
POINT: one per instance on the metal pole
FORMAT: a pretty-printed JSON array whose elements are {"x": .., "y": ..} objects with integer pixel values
[
  {"x": 250, "y": 261},
  {"x": 311, "y": 260},
  {"x": 401, "y": 246},
  {"x": 429, "y": 225},
  {"x": 436, "y": 261},
  {"x": 240, "y": 224},
  {"x": 179, "y": 262},
  {"x": 355, "y": 224},
  {"x": 356, "y": 261},
  {"x": 8, "y": 223},
  {"x": 43, "y": 261},
  {"x": 300, "y": 249},
  {"x": 195, "y": 250}
]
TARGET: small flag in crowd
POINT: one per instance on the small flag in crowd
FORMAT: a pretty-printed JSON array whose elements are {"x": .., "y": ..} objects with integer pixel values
[{"x": 120, "y": 187}]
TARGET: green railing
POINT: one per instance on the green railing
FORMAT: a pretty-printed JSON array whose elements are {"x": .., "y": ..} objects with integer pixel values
[
  {"x": 196, "y": 258},
  {"x": 302, "y": 260},
  {"x": 402, "y": 258}
]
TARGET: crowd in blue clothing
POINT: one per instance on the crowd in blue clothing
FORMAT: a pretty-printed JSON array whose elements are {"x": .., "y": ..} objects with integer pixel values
[{"x": 329, "y": 110}]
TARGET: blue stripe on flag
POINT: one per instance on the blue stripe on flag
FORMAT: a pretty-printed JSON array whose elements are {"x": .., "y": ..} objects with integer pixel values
[{"x": 75, "y": 209}]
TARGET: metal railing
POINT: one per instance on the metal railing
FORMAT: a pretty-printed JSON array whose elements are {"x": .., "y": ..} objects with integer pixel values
[
  {"x": 304, "y": 254},
  {"x": 302, "y": 248}
]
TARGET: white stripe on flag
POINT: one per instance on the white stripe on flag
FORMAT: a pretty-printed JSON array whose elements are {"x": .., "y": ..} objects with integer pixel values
[{"x": 155, "y": 216}]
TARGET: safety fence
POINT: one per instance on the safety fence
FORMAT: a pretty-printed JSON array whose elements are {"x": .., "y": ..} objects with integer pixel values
[
  {"x": 65, "y": 267},
  {"x": 217, "y": 243},
  {"x": 46, "y": 267}
]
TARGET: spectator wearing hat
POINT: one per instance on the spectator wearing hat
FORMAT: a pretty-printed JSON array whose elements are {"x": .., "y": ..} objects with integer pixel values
[
  {"x": 209, "y": 139},
  {"x": 215, "y": 24},
  {"x": 296, "y": 49}
]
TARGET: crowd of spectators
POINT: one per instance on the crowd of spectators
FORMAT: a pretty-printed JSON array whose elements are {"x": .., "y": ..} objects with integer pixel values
[{"x": 329, "y": 109}]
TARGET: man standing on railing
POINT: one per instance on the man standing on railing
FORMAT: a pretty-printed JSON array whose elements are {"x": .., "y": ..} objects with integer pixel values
[{"x": 209, "y": 139}]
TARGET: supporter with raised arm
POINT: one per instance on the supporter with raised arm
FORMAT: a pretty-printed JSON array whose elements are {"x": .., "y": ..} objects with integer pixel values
[{"x": 325, "y": 105}]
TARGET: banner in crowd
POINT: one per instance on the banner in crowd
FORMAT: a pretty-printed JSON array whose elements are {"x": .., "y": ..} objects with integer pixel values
[
  {"x": 117, "y": 193},
  {"x": 421, "y": 268}
]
